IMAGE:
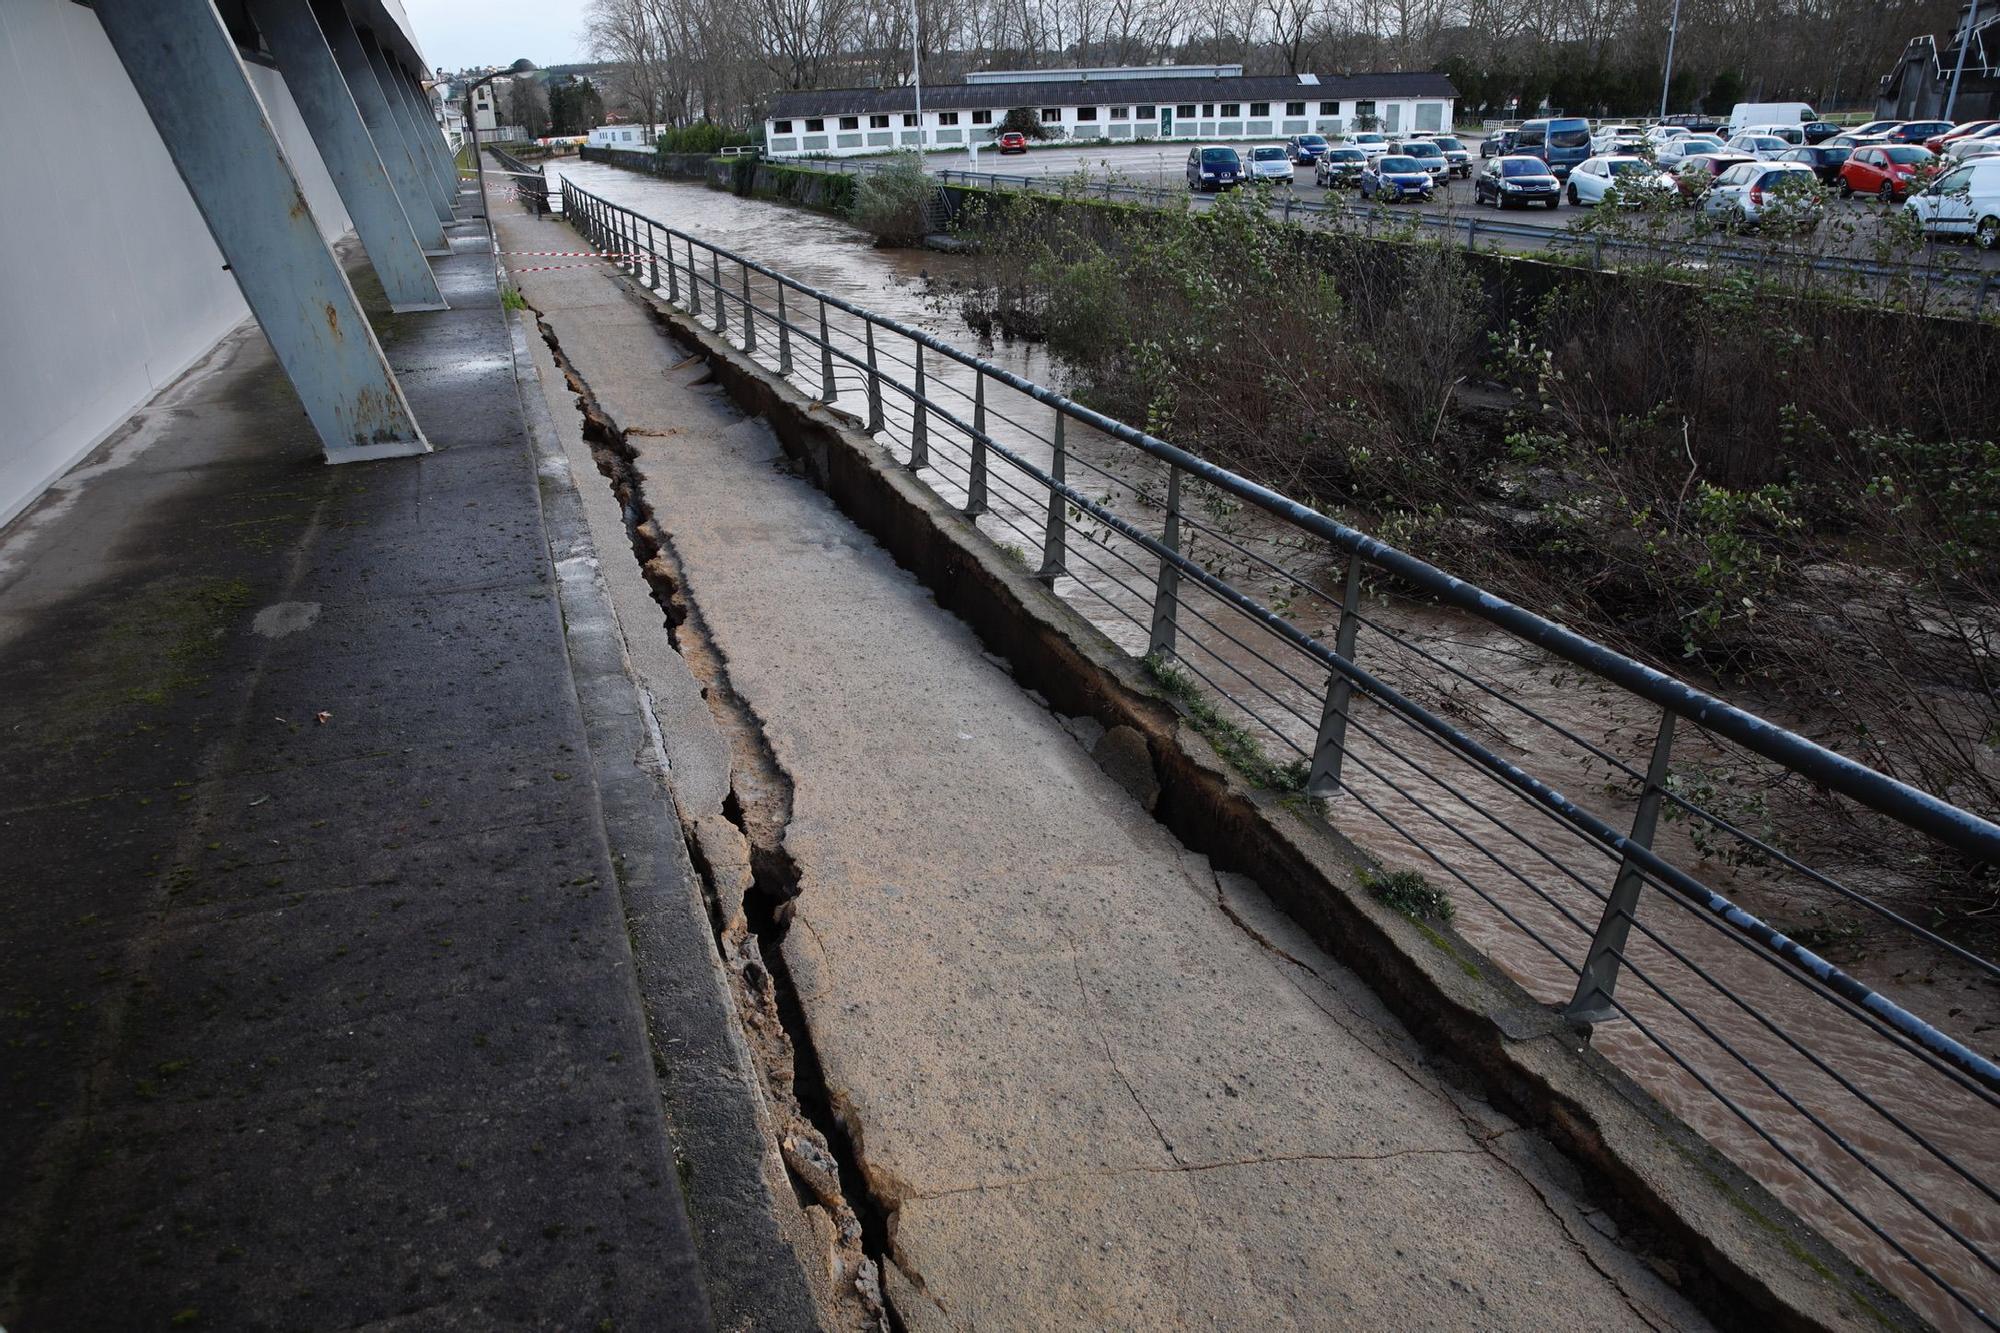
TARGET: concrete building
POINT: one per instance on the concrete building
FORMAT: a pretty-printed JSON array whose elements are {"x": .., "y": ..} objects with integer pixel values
[
  {"x": 118, "y": 283},
  {"x": 1919, "y": 87},
  {"x": 630, "y": 138},
  {"x": 1177, "y": 102}
]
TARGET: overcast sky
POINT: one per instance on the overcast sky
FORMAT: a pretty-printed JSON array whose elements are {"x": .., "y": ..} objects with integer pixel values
[{"x": 457, "y": 33}]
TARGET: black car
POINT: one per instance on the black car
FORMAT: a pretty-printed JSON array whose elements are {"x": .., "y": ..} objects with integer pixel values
[
  {"x": 1826, "y": 162},
  {"x": 1916, "y": 131},
  {"x": 1507, "y": 181},
  {"x": 1497, "y": 145},
  {"x": 1819, "y": 131},
  {"x": 1694, "y": 124}
]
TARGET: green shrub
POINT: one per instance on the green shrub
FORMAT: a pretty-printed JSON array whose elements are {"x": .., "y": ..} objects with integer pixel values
[
  {"x": 705, "y": 137},
  {"x": 1411, "y": 894},
  {"x": 890, "y": 202}
]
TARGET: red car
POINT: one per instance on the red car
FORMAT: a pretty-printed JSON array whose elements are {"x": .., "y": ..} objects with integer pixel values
[
  {"x": 1013, "y": 141},
  {"x": 1886, "y": 170},
  {"x": 1937, "y": 142}
]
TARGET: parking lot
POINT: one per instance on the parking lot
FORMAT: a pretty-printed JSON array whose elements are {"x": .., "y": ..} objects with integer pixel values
[{"x": 1163, "y": 166}]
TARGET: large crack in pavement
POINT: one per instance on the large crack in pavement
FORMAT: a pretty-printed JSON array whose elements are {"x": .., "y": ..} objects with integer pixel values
[{"x": 749, "y": 881}]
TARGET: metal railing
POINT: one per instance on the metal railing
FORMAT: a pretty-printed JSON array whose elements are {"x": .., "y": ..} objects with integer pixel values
[
  {"x": 531, "y": 185},
  {"x": 1601, "y": 249},
  {"x": 1870, "y": 1121}
]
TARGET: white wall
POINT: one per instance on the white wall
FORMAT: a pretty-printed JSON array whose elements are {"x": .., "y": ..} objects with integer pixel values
[{"x": 109, "y": 284}]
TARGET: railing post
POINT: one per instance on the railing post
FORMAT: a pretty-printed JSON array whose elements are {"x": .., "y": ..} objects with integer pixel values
[
  {"x": 694, "y": 283},
  {"x": 673, "y": 273},
  {"x": 1592, "y": 1003},
  {"x": 1054, "y": 529},
  {"x": 749, "y": 320},
  {"x": 975, "y": 486},
  {"x": 1167, "y": 593},
  {"x": 784, "y": 335},
  {"x": 1330, "y": 746},
  {"x": 874, "y": 382},
  {"x": 920, "y": 438},
  {"x": 652, "y": 257},
  {"x": 828, "y": 390},
  {"x": 721, "y": 301}
]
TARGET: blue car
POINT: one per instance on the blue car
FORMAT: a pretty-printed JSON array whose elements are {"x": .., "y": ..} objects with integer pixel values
[{"x": 1391, "y": 177}]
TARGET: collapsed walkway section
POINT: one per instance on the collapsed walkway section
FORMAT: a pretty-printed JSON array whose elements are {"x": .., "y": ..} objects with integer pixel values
[{"x": 1031, "y": 1061}]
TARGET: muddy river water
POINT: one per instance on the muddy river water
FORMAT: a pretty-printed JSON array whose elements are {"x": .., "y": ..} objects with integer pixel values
[{"x": 1883, "y": 1151}]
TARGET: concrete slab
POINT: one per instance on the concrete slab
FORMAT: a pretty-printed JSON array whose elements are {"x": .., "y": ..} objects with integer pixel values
[{"x": 1083, "y": 1090}]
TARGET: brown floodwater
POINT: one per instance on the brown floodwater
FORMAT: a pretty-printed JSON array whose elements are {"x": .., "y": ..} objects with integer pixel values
[{"x": 1758, "y": 1060}]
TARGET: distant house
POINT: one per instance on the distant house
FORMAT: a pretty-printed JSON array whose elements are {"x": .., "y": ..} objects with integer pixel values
[
  {"x": 1917, "y": 88},
  {"x": 633, "y": 138},
  {"x": 1184, "y": 102}
]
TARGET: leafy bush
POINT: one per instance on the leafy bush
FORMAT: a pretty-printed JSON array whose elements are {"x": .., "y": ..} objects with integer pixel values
[
  {"x": 890, "y": 202},
  {"x": 1411, "y": 894},
  {"x": 705, "y": 137}
]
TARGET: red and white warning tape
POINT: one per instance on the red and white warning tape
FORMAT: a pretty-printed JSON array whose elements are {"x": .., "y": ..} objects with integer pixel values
[
  {"x": 548, "y": 268},
  {"x": 574, "y": 254}
]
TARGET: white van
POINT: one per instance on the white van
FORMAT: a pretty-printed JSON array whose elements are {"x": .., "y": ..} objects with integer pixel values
[
  {"x": 1747, "y": 114},
  {"x": 1964, "y": 201}
]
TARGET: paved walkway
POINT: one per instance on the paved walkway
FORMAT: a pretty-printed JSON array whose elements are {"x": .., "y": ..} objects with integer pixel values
[
  {"x": 1092, "y": 1083},
  {"x": 318, "y": 1004}
]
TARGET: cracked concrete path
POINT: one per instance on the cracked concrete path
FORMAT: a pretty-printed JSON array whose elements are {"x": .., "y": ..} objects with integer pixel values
[{"x": 1093, "y": 1083}]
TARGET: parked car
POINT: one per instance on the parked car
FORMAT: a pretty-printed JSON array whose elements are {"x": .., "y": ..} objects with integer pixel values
[
  {"x": 1621, "y": 177},
  {"x": 1819, "y": 131},
  {"x": 1763, "y": 147},
  {"x": 1340, "y": 167},
  {"x": 1676, "y": 151},
  {"x": 1013, "y": 141},
  {"x": 1794, "y": 135},
  {"x": 1455, "y": 153},
  {"x": 1659, "y": 135},
  {"x": 1696, "y": 175},
  {"x": 1697, "y": 124},
  {"x": 1497, "y": 145},
  {"x": 1753, "y": 194},
  {"x": 1617, "y": 139},
  {"x": 1428, "y": 155},
  {"x": 1370, "y": 142},
  {"x": 1213, "y": 167},
  {"x": 1306, "y": 147},
  {"x": 1969, "y": 129},
  {"x": 1885, "y": 170},
  {"x": 1826, "y": 161},
  {"x": 1394, "y": 176},
  {"x": 1964, "y": 201},
  {"x": 1965, "y": 150},
  {"x": 1560, "y": 141},
  {"x": 1268, "y": 163},
  {"x": 1916, "y": 131},
  {"x": 1873, "y": 128},
  {"x": 1746, "y": 114},
  {"x": 1507, "y": 181}
]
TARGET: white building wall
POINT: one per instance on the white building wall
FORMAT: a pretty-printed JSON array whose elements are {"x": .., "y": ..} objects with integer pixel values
[{"x": 110, "y": 286}]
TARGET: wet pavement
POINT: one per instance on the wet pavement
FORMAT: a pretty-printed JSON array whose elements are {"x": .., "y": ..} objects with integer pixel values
[{"x": 319, "y": 1004}]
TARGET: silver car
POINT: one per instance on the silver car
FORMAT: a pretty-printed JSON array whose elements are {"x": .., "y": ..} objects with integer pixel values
[
  {"x": 1763, "y": 147},
  {"x": 1270, "y": 162},
  {"x": 1752, "y": 194}
]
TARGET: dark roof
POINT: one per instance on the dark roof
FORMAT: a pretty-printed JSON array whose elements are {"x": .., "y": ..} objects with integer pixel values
[{"x": 1103, "y": 92}]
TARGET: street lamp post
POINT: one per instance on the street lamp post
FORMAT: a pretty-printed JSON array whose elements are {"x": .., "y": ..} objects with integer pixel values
[
  {"x": 917, "y": 78},
  {"x": 1666, "y": 80},
  {"x": 523, "y": 66}
]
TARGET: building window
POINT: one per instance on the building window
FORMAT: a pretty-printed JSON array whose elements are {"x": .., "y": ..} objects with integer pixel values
[
  {"x": 1121, "y": 113},
  {"x": 1207, "y": 110},
  {"x": 1362, "y": 109},
  {"x": 1260, "y": 108},
  {"x": 781, "y": 127},
  {"x": 1184, "y": 110},
  {"x": 1232, "y": 108},
  {"x": 815, "y": 125},
  {"x": 1086, "y": 113},
  {"x": 878, "y": 122},
  {"x": 982, "y": 117},
  {"x": 909, "y": 120},
  {"x": 1051, "y": 113},
  {"x": 1329, "y": 108},
  {"x": 1147, "y": 113},
  {"x": 947, "y": 118},
  {"x": 850, "y": 122},
  {"x": 1295, "y": 108}
]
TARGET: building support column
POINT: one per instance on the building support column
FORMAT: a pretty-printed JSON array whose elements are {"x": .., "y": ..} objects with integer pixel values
[
  {"x": 328, "y": 109},
  {"x": 374, "y": 108},
  {"x": 184, "y": 65},
  {"x": 441, "y": 198},
  {"x": 428, "y": 133}
]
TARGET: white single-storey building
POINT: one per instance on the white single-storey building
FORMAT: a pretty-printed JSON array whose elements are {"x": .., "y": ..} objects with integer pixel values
[
  {"x": 1137, "y": 102},
  {"x": 631, "y": 138}
]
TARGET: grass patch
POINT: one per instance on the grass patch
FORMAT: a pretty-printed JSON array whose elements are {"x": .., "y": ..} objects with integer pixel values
[
  {"x": 1411, "y": 894},
  {"x": 510, "y": 299},
  {"x": 1231, "y": 740}
]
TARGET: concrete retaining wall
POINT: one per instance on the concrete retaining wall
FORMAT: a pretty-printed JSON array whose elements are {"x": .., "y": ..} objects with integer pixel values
[{"x": 111, "y": 286}]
